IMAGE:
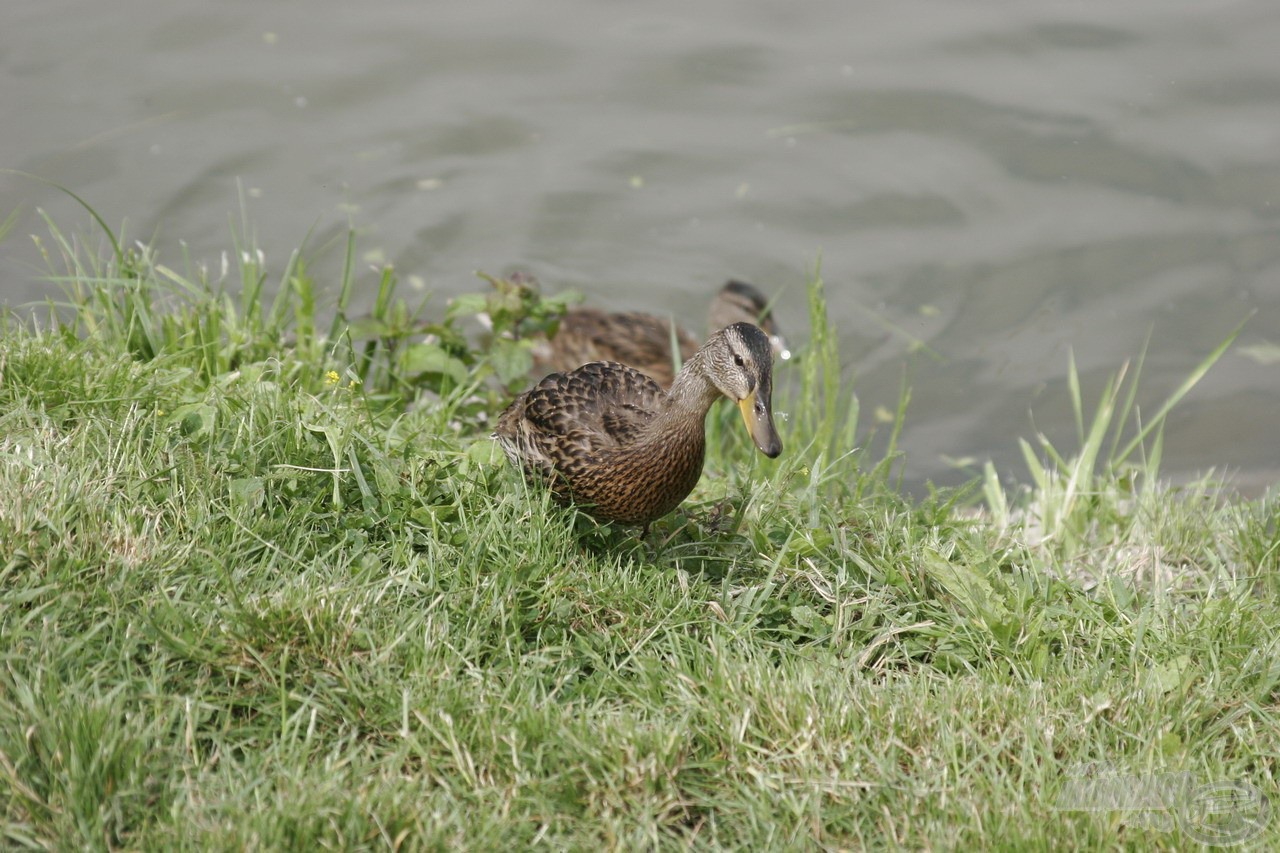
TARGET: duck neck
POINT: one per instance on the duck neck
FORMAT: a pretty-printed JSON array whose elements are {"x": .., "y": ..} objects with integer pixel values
[{"x": 690, "y": 398}]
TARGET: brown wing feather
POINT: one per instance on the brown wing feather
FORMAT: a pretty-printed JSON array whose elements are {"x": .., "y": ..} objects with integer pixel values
[
  {"x": 640, "y": 340},
  {"x": 583, "y": 433},
  {"x": 606, "y": 403},
  {"x": 577, "y": 414}
]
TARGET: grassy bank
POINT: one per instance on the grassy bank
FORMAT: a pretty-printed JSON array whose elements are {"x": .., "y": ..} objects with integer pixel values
[{"x": 264, "y": 582}]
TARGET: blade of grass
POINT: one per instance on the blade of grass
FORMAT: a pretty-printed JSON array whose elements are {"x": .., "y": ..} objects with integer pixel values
[{"x": 1181, "y": 391}]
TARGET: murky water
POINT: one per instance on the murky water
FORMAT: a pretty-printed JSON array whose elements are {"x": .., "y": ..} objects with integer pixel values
[{"x": 986, "y": 185}]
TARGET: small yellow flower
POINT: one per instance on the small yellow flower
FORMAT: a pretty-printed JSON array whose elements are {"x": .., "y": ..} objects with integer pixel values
[{"x": 331, "y": 378}]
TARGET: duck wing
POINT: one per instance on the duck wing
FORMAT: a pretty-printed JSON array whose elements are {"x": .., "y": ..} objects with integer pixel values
[
  {"x": 598, "y": 436},
  {"x": 628, "y": 337},
  {"x": 596, "y": 406}
]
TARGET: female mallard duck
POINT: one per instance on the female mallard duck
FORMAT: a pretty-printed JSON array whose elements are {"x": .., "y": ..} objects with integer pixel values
[
  {"x": 643, "y": 341},
  {"x": 607, "y": 437}
]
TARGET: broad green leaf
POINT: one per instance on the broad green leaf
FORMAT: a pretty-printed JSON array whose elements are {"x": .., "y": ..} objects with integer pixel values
[{"x": 430, "y": 358}]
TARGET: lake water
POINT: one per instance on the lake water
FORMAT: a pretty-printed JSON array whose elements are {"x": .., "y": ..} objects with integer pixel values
[{"x": 987, "y": 185}]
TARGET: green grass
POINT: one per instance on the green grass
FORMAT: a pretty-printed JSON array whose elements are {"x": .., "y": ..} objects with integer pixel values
[{"x": 265, "y": 583}]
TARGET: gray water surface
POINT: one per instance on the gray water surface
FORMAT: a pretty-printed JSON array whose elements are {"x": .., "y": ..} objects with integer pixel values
[{"x": 987, "y": 186}]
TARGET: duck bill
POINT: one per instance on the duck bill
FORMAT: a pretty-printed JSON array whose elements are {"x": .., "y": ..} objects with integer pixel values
[{"x": 759, "y": 421}]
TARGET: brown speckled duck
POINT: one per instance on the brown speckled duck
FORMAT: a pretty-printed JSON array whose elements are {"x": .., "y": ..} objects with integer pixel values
[
  {"x": 643, "y": 341},
  {"x": 608, "y": 438}
]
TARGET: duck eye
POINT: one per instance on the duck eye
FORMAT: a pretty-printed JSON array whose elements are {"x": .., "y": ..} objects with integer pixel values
[{"x": 737, "y": 359}]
